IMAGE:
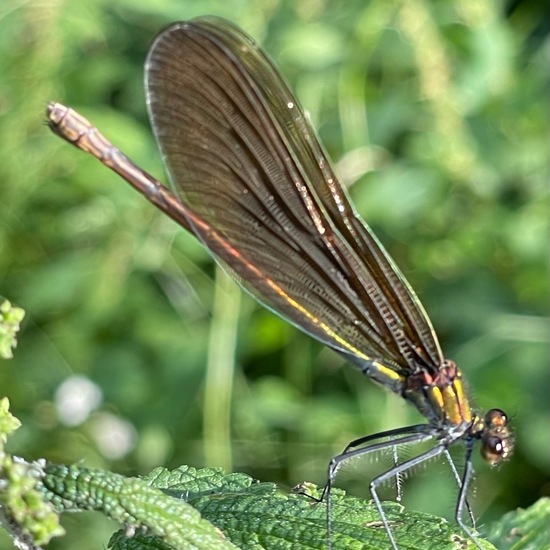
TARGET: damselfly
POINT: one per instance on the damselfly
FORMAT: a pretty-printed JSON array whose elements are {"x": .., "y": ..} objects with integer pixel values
[{"x": 252, "y": 182}]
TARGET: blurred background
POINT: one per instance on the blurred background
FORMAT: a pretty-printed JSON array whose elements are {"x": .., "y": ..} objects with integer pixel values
[{"x": 137, "y": 352}]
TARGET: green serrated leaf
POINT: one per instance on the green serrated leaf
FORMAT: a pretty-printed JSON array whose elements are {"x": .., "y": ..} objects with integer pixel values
[
  {"x": 190, "y": 484},
  {"x": 134, "y": 503},
  {"x": 256, "y": 515},
  {"x": 138, "y": 541},
  {"x": 294, "y": 521},
  {"x": 523, "y": 529}
]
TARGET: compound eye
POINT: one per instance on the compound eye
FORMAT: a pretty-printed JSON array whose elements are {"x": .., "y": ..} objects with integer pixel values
[
  {"x": 493, "y": 449},
  {"x": 495, "y": 418}
]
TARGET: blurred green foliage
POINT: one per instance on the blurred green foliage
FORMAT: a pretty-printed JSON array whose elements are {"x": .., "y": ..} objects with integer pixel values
[{"x": 435, "y": 111}]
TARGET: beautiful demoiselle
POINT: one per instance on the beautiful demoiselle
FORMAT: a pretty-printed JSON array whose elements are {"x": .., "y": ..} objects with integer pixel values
[{"x": 252, "y": 182}]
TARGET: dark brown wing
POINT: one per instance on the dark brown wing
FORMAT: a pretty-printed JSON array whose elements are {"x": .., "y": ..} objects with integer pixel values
[{"x": 242, "y": 155}]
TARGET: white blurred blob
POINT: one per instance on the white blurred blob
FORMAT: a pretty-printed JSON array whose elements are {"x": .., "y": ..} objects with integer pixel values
[
  {"x": 114, "y": 436},
  {"x": 75, "y": 399}
]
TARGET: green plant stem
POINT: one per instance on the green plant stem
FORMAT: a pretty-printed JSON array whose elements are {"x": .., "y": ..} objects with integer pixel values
[{"x": 220, "y": 370}]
